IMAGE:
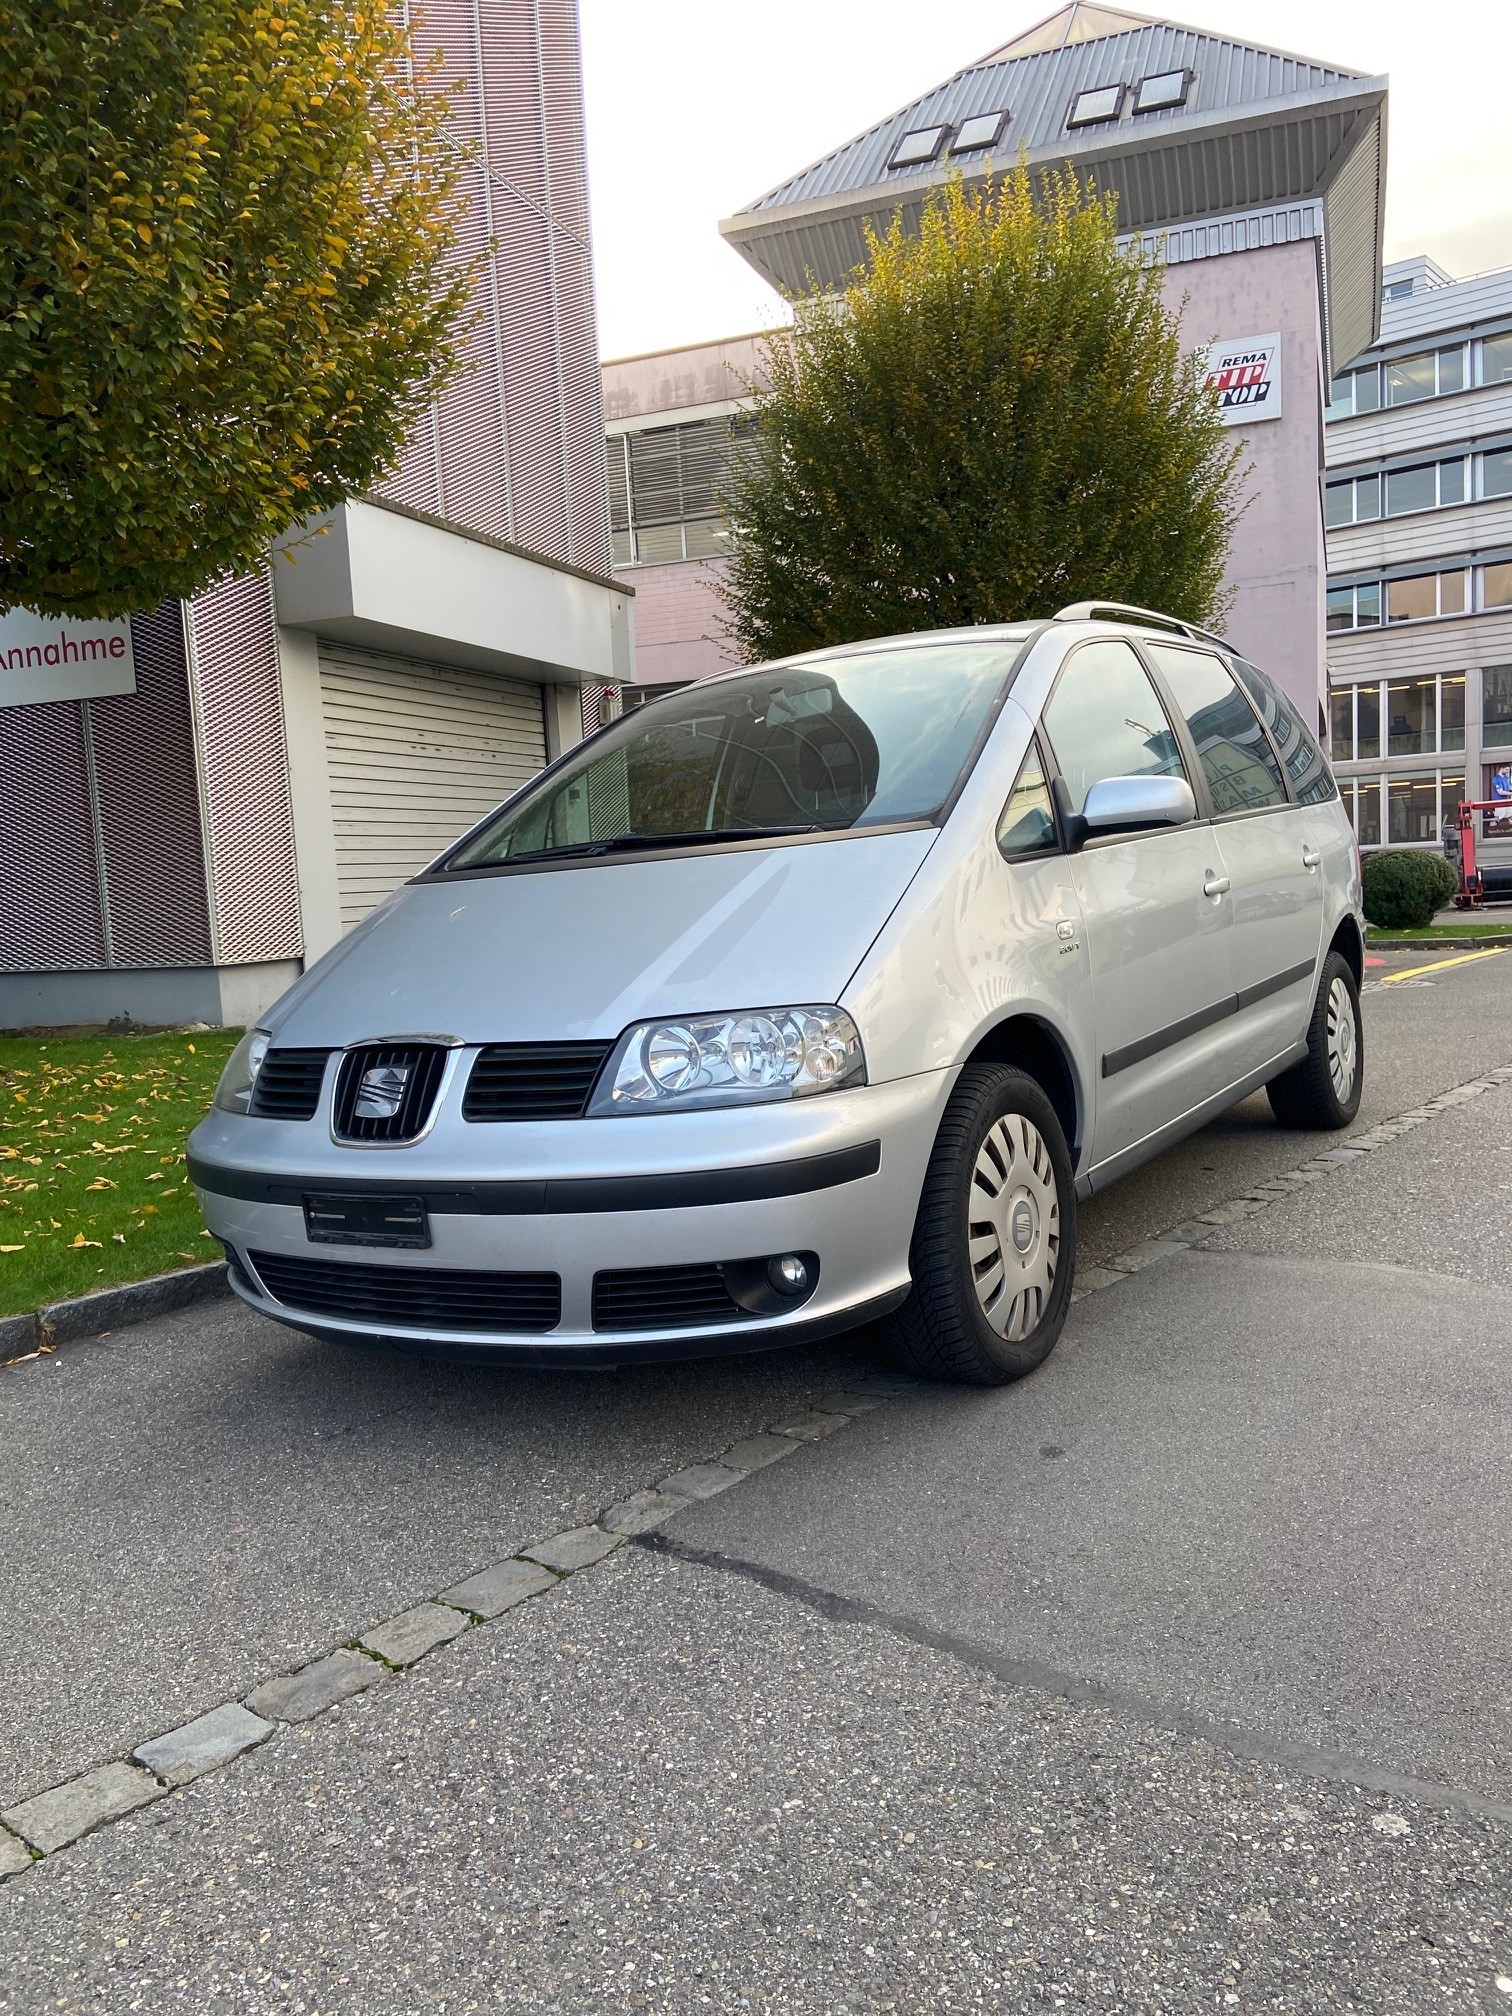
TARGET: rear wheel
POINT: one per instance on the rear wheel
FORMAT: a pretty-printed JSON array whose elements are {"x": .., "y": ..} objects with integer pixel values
[
  {"x": 1323, "y": 1091},
  {"x": 994, "y": 1244}
]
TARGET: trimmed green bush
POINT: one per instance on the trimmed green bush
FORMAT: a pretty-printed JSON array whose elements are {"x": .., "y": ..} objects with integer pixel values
[{"x": 1404, "y": 890}]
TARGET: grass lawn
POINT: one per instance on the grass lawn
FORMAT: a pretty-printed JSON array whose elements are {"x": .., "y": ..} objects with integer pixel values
[
  {"x": 1453, "y": 934},
  {"x": 92, "y": 1182}
]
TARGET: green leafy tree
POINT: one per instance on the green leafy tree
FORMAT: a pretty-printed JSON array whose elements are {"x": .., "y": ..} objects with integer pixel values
[
  {"x": 994, "y": 418},
  {"x": 227, "y": 282}
]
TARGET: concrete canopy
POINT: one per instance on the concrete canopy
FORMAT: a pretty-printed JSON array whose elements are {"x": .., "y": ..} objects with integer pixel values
[{"x": 1255, "y": 129}]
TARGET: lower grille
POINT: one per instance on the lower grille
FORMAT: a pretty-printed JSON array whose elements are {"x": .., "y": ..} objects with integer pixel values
[
  {"x": 288, "y": 1085},
  {"x": 385, "y": 1091},
  {"x": 663, "y": 1298},
  {"x": 412, "y": 1298}
]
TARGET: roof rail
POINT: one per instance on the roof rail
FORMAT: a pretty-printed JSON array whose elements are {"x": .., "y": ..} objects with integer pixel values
[{"x": 1090, "y": 612}]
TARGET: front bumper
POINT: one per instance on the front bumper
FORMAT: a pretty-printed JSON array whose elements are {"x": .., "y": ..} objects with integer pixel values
[{"x": 837, "y": 1176}]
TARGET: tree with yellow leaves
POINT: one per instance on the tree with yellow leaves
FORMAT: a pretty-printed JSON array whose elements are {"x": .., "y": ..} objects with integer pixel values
[{"x": 228, "y": 283}]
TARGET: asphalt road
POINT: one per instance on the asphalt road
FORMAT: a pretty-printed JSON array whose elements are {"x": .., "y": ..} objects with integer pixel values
[{"x": 1175, "y": 1678}]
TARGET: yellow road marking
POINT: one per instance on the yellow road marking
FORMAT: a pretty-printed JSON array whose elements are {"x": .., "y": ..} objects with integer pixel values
[{"x": 1459, "y": 959}]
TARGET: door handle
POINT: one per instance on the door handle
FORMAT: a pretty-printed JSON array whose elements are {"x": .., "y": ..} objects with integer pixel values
[
  {"x": 1215, "y": 886},
  {"x": 1310, "y": 857}
]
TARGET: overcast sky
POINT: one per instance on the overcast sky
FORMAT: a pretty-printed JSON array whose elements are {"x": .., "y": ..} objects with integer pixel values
[{"x": 696, "y": 107}]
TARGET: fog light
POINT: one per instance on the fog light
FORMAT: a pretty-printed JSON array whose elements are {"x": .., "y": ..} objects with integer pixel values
[{"x": 788, "y": 1274}]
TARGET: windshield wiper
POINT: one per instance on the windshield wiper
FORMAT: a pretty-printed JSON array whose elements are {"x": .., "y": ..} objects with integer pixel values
[{"x": 624, "y": 843}]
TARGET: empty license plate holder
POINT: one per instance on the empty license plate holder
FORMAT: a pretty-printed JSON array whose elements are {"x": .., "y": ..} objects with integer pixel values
[{"x": 335, "y": 1220}]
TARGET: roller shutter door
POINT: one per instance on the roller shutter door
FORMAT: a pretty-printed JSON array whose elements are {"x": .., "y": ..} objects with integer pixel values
[{"x": 417, "y": 753}]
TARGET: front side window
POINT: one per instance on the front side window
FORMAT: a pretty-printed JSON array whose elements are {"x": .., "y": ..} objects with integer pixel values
[
  {"x": 1104, "y": 719},
  {"x": 1028, "y": 822},
  {"x": 1241, "y": 771},
  {"x": 867, "y": 739}
]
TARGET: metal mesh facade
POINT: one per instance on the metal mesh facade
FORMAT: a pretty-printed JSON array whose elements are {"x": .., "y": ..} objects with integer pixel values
[
  {"x": 101, "y": 863},
  {"x": 514, "y": 447},
  {"x": 248, "y": 820}
]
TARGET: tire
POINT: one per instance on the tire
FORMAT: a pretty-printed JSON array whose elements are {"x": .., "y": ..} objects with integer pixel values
[
  {"x": 999, "y": 1129},
  {"x": 1323, "y": 1091}
]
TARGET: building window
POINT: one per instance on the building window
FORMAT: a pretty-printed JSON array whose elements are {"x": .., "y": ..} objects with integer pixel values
[
  {"x": 1415, "y": 807},
  {"x": 1157, "y": 94},
  {"x": 1411, "y": 717},
  {"x": 1411, "y": 810},
  {"x": 1496, "y": 586},
  {"x": 1495, "y": 359},
  {"x": 1422, "y": 595},
  {"x": 665, "y": 485},
  {"x": 1413, "y": 598},
  {"x": 983, "y": 129},
  {"x": 1091, "y": 108},
  {"x": 1431, "y": 374},
  {"x": 1422, "y": 716},
  {"x": 1452, "y": 711},
  {"x": 915, "y": 148},
  {"x": 1426, "y": 486},
  {"x": 1496, "y": 784},
  {"x": 1357, "y": 608},
  {"x": 1496, "y": 473},
  {"x": 1496, "y": 705}
]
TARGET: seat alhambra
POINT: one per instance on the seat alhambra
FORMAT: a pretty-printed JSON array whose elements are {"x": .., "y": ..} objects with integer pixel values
[{"x": 809, "y": 995}]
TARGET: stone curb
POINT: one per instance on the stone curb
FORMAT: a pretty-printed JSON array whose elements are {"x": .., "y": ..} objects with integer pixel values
[{"x": 110, "y": 1309}]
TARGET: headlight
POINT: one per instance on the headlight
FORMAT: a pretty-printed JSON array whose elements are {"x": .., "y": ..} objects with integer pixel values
[
  {"x": 234, "y": 1092},
  {"x": 740, "y": 1059}
]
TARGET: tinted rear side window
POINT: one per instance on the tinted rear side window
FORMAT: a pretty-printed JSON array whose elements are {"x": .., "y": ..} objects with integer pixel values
[
  {"x": 1242, "y": 774},
  {"x": 1306, "y": 765}
]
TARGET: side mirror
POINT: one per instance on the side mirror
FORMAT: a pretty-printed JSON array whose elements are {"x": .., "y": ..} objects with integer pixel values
[{"x": 1136, "y": 804}]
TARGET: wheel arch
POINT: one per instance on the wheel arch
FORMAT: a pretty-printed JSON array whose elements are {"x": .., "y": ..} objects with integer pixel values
[
  {"x": 1348, "y": 942},
  {"x": 1032, "y": 1045}
]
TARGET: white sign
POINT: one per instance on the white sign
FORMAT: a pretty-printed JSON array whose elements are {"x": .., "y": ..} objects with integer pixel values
[
  {"x": 62, "y": 658},
  {"x": 1245, "y": 373}
]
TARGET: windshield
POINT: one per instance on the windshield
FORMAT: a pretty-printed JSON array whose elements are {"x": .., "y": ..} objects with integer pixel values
[{"x": 863, "y": 740}]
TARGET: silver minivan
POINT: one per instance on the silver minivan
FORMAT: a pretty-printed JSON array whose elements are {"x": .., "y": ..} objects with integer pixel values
[{"x": 806, "y": 996}]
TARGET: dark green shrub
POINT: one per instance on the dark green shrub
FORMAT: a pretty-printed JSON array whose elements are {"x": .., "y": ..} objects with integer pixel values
[{"x": 1404, "y": 889}]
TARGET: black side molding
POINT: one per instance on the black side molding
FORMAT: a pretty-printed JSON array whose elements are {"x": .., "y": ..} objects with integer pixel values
[
  {"x": 1115, "y": 1061},
  {"x": 555, "y": 1196}
]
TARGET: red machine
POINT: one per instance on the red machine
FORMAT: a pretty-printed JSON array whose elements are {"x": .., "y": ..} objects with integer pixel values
[{"x": 1479, "y": 881}]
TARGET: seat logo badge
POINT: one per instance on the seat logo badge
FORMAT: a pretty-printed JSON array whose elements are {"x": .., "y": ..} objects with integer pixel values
[
  {"x": 1021, "y": 1226},
  {"x": 381, "y": 1092}
]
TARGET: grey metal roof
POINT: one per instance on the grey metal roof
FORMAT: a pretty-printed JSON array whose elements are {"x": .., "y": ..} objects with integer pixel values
[{"x": 1259, "y": 127}]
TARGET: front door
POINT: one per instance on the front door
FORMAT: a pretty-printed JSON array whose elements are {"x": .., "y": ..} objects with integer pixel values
[{"x": 1159, "y": 926}]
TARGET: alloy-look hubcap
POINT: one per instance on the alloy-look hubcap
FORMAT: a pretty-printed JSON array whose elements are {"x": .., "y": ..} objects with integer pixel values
[
  {"x": 1343, "y": 1041},
  {"x": 1013, "y": 1235}
]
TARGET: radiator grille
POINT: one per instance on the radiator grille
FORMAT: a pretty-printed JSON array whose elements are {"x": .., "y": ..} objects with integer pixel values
[
  {"x": 288, "y": 1085},
  {"x": 533, "y": 1081},
  {"x": 405, "y": 1075},
  {"x": 663, "y": 1298},
  {"x": 412, "y": 1298}
]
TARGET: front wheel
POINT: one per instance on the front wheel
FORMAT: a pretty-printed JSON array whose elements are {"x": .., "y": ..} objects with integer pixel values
[
  {"x": 994, "y": 1244},
  {"x": 1323, "y": 1091}
]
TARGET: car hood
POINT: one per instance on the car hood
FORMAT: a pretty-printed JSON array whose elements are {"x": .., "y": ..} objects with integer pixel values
[{"x": 584, "y": 950}]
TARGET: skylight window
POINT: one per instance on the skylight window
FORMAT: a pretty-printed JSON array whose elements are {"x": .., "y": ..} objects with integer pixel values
[
  {"x": 919, "y": 146},
  {"x": 1091, "y": 108},
  {"x": 1156, "y": 94},
  {"x": 984, "y": 129}
]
